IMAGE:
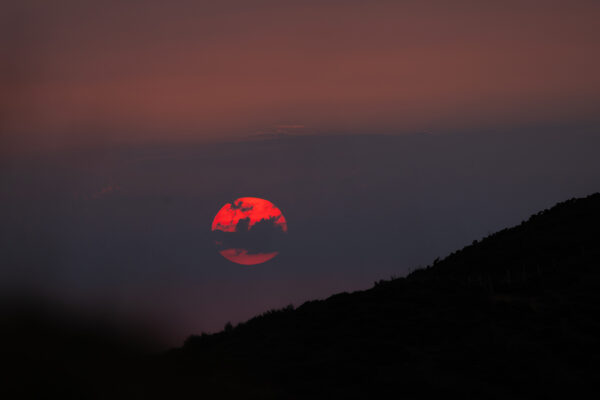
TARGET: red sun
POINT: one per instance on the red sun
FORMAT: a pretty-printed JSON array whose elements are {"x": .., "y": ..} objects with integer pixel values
[{"x": 249, "y": 230}]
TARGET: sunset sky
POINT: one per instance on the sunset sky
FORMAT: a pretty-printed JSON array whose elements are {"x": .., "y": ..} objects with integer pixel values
[
  {"x": 389, "y": 133},
  {"x": 79, "y": 71}
]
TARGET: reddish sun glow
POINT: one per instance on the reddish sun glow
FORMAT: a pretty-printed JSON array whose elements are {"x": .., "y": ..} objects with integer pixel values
[
  {"x": 247, "y": 207},
  {"x": 254, "y": 210},
  {"x": 241, "y": 256}
]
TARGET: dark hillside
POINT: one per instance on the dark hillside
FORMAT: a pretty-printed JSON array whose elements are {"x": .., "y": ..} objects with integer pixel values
[
  {"x": 562, "y": 240},
  {"x": 516, "y": 315}
]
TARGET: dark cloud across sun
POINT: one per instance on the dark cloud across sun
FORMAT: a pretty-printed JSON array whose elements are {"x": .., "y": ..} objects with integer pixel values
[{"x": 249, "y": 230}]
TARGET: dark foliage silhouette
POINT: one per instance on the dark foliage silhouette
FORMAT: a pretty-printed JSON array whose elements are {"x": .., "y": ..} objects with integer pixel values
[{"x": 515, "y": 315}]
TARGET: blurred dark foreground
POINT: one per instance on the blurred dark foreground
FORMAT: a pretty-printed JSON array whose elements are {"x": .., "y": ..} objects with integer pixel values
[{"x": 515, "y": 315}]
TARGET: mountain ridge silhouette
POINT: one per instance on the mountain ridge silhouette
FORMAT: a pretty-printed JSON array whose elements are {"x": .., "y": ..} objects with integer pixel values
[{"x": 513, "y": 315}]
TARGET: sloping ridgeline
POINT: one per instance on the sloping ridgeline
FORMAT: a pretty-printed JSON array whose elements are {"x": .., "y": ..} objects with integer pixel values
[{"x": 515, "y": 315}]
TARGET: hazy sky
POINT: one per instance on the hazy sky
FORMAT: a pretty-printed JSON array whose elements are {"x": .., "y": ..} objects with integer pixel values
[
  {"x": 409, "y": 128},
  {"x": 127, "y": 229},
  {"x": 77, "y": 71}
]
